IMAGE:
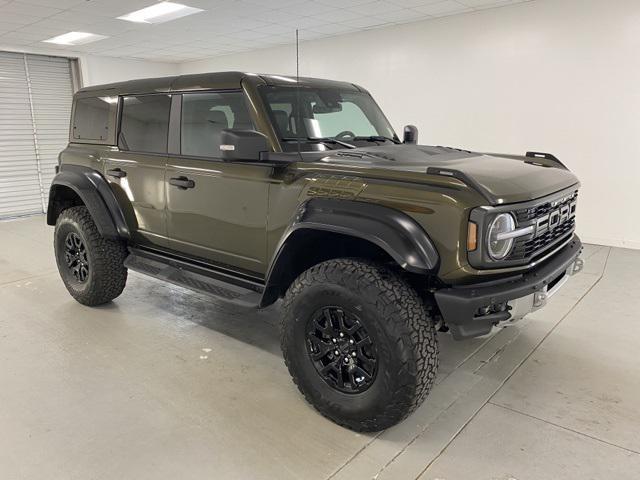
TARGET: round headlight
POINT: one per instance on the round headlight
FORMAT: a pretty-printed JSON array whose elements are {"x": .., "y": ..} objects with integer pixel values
[{"x": 498, "y": 246}]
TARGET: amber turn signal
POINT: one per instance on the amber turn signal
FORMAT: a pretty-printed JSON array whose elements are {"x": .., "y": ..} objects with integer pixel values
[{"x": 472, "y": 237}]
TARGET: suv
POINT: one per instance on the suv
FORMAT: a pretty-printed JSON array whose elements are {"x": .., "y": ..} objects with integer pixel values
[{"x": 253, "y": 188}]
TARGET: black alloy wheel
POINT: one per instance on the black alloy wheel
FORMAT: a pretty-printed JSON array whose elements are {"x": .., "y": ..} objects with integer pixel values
[
  {"x": 75, "y": 255},
  {"x": 341, "y": 350}
]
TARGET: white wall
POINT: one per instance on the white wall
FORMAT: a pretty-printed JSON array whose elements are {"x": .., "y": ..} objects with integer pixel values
[
  {"x": 97, "y": 70},
  {"x": 561, "y": 76}
]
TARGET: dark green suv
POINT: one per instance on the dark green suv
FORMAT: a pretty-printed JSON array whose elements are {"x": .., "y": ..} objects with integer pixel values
[{"x": 253, "y": 188}]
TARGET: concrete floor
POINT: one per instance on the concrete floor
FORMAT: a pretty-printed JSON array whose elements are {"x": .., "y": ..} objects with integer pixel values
[{"x": 164, "y": 383}]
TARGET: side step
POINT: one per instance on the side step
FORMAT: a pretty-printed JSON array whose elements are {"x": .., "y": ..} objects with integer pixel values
[{"x": 195, "y": 277}]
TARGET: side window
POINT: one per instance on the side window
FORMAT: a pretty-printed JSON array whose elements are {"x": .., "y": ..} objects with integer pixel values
[
  {"x": 91, "y": 118},
  {"x": 144, "y": 123},
  {"x": 205, "y": 115}
]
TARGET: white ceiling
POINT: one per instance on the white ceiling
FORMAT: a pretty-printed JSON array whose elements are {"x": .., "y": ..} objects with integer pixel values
[{"x": 226, "y": 26}]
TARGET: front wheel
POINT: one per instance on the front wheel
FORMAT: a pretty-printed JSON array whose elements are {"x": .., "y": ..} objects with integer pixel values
[{"x": 359, "y": 343}]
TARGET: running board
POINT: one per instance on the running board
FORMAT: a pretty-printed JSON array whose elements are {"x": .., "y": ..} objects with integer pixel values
[{"x": 195, "y": 277}]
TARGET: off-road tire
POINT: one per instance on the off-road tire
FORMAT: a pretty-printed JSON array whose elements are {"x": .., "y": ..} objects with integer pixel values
[
  {"x": 397, "y": 320},
  {"x": 107, "y": 275}
]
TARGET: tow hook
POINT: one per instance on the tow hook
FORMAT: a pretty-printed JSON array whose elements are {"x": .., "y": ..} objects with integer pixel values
[{"x": 577, "y": 267}]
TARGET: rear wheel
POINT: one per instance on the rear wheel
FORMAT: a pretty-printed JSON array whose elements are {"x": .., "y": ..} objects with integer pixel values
[
  {"x": 91, "y": 267},
  {"x": 359, "y": 343}
]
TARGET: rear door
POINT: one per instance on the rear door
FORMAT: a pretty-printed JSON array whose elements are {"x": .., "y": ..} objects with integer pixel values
[
  {"x": 136, "y": 170},
  {"x": 216, "y": 210}
]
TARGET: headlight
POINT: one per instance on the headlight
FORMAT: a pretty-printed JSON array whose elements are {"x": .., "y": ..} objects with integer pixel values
[{"x": 498, "y": 244}]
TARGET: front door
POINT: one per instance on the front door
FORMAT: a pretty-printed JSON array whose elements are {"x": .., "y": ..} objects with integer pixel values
[
  {"x": 136, "y": 170},
  {"x": 216, "y": 210}
]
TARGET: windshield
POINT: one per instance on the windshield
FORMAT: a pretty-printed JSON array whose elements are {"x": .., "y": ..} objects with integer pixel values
[{"x": 327, "y": 119}]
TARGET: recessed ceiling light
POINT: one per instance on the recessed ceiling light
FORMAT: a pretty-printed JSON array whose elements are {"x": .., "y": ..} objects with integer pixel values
[
  {"x": 160, "y": 13},
  {"x": 75, "y": 38}
]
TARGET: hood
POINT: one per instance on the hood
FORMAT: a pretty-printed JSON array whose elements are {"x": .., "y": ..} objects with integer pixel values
[{"x": 499, "y": 178}]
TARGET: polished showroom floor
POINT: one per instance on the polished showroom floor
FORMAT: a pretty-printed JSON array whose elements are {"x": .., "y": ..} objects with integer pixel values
[{"x": 166, "y": 384}]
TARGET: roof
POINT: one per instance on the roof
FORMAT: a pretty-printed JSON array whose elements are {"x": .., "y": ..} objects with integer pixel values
[{"x": 208, "y": 81}]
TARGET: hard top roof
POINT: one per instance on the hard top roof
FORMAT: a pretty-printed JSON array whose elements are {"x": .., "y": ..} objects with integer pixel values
[{"x": 208, "y": 81}]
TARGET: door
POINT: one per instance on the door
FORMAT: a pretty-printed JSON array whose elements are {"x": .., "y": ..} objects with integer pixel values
[
  {"x": 136, "y": 170},
  {"x": 216, "y": 210}
]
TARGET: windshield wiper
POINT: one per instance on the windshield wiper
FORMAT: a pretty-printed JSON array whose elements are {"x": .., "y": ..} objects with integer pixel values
[
  {"x": 331, "y": 140},
  {"x": 377, "y": 138},
  {"x": 328, "y": 140}
]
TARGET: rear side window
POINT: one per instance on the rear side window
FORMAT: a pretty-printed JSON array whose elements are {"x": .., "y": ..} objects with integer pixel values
[
  {"x": 144, "y": 123},
  {"x": 205, "y": 115},
  {"x": 91, "y": 118}
]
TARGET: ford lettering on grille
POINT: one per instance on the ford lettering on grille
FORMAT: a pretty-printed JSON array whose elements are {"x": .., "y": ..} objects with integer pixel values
[
  {"x": 556, "y": 218},
  {"x": 554, "y": 222}
]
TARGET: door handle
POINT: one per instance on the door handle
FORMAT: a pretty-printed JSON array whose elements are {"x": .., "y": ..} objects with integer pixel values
[
  {"x": 182, "y": 183},
  {"x": 117, "y": 173}
]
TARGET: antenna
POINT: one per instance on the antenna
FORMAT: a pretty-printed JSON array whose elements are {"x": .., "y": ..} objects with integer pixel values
[{"x": 298, "y": 116}]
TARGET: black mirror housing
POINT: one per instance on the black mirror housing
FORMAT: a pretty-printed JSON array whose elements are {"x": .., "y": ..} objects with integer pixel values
[
  {"x": 410, "y": 134},
  {"x": 243, "y": 145}
]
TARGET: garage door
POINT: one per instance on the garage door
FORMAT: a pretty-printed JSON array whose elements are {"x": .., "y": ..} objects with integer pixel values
[{"x": 35, "y": 106}]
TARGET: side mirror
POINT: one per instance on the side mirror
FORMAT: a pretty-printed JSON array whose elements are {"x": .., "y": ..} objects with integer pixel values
[
  {"x": 410, "y": 135},
  {"x": 242, "y": 145}
]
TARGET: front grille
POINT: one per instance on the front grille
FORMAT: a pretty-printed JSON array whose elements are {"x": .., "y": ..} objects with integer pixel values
[{"x": 552, "y": 227}]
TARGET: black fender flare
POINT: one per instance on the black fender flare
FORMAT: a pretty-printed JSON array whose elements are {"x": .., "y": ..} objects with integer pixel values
[
  {"x": 95, "y": 193},
  {"x": 395, "y": 232}
]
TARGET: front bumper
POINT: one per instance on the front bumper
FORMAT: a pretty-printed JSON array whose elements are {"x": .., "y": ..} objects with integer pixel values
[{"x": 473, "y": 310}]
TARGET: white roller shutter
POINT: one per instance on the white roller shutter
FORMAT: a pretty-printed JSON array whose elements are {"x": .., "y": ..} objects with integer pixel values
[
  {"x": 20, "y": 192},
  {"x": 35, "y": 106},
  {"x": 51, "y": 96}
]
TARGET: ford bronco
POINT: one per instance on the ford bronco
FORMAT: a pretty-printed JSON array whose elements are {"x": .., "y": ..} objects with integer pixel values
[{"x": 254, "y": 188}]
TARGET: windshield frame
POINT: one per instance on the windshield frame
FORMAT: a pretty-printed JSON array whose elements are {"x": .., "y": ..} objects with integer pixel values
[{"x": 308, "y": 143}]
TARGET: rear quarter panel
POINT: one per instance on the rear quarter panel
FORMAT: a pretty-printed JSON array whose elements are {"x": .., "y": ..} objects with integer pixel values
[{"x": 84, "y": 154}]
